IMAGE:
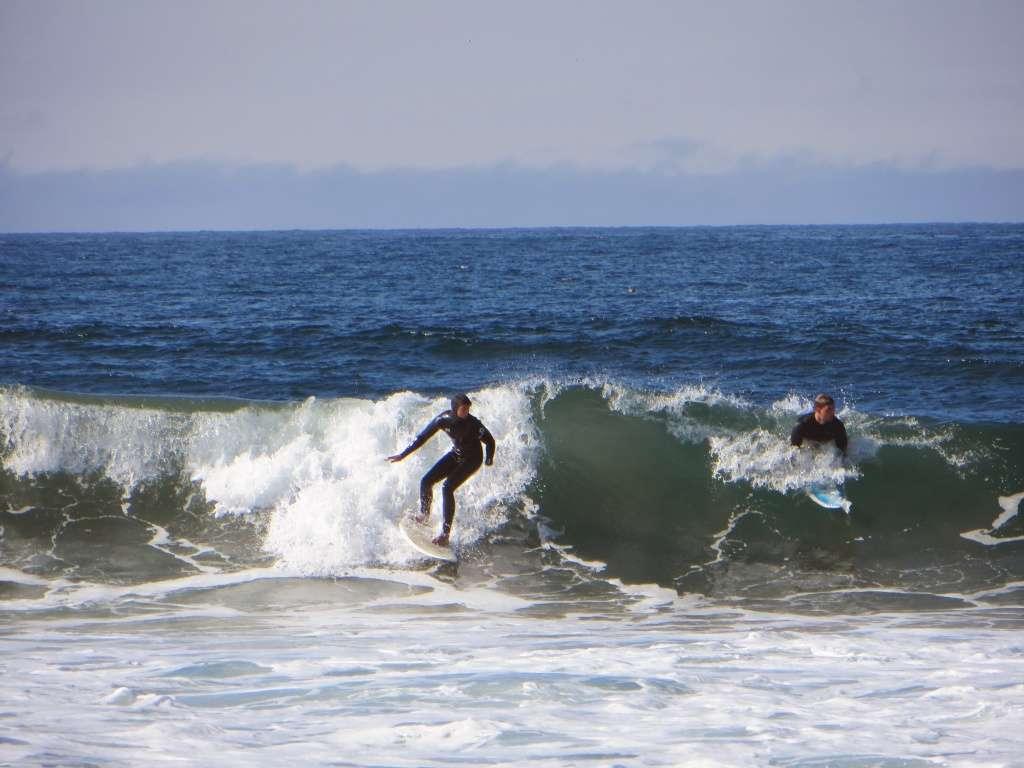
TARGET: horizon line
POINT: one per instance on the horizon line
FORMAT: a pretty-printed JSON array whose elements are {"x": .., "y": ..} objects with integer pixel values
[{"x": 516, "y": 228}]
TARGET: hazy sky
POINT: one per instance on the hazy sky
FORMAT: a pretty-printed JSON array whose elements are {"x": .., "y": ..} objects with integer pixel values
[{"x": 637, "y": 87}]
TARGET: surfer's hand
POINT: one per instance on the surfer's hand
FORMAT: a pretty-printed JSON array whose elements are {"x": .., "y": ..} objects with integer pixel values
[
  {"x": 396, "y": 458},
  {"x": 489, "y": 463}
]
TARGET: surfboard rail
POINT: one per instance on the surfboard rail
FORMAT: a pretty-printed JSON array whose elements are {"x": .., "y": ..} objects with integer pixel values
[{"x": 421, "y": 535}]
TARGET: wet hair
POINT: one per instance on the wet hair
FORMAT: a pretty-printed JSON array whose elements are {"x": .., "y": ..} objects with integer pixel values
[
  {"x": 822, "y": 400},
  {"x": 460, "y": 399}
]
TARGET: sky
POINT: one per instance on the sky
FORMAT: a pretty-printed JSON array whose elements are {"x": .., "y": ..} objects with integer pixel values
[{"x": 131, "y": 114}]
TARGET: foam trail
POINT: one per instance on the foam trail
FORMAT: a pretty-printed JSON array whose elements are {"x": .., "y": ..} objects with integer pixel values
[
  {"x": 675, "y": 408},
  {"x": 1011, "y": 506}
]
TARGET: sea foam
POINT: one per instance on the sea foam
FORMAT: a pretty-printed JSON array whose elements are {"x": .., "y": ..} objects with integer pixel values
[{"x": 318, "y": 469}]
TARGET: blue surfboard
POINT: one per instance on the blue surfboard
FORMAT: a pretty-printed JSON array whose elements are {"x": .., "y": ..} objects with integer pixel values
[{"x": 829, "y": 497}]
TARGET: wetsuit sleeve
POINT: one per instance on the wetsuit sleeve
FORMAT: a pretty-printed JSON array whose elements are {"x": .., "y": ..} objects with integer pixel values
[
  {"x": 488, "y": 440},
  {"x": 423, "y": 436}
]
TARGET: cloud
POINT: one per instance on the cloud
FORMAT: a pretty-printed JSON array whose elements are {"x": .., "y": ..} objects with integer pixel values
[{"x": 197, "y": 196}]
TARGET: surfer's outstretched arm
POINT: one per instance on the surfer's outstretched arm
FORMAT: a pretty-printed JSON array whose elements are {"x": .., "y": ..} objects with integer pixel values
[{"x": 421, "y": 438}]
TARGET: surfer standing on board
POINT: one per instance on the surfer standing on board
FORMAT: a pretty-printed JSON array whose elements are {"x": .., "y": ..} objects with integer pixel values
[
  {"x": 820, "y": 425},
  {"x": 467, "y": 433}
]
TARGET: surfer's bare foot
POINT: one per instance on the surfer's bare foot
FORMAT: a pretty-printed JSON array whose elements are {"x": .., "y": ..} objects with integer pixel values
[
  {"x": 441, "y": 541},
  {"x": 421, "y": 519}
]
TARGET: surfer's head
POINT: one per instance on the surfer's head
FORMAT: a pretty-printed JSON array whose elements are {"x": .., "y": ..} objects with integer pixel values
[
  {"x": 824, "y": 408},
  {"x": 460, "y": 405}
]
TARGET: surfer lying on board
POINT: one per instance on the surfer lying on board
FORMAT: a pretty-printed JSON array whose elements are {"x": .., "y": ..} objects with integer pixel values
[
  {"x": 820, "y": 425},
  {"x": 467, "y": 433}
]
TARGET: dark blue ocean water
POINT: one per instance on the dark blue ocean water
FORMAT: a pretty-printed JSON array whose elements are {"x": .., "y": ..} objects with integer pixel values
[{"x": 923, "y": 320}]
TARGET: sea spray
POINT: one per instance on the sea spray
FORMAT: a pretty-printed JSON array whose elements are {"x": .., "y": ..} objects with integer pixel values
[
  {"x": 314, "y": 472},
  {"x": 348, "y": 515}
]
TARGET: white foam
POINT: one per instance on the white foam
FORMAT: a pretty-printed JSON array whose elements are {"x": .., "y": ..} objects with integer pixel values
[
  {"x": 120, "y": 697},
  {"x": 566, "y": 555},
  {"x": 62, "y": 593},
  {"x": 125, "y": 444},
  {"x": 909, "y": 432},
  {"x": 719, "y": 538},
  {"x": 675, "y": 407},
  {"x": 1009, "y": 588},
  {"x": 650, "y": 596},
  {"x": 1010, "y": 506},
  {"x": 169, "y": 545},
  {"x": 632, "y": 401},
  {"x": 697, "y": 685},
  {"x": 15, "y": 576},
  {"x": 319, "y": 468},
  {"x": 792, "y": 404},
  {"x": 347, "y": 499},
  {"x": 764, "y": 460}
]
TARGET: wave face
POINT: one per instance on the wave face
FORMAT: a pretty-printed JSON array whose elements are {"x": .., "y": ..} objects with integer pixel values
[
  {"x": 694, "y": 488},
  {"x": 703, "y": 491}
]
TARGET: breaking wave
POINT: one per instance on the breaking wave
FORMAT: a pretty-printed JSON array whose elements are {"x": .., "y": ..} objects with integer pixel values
[{"x": 693, "y": 488}]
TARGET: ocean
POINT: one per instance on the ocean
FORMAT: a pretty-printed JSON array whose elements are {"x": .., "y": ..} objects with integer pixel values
[{"x": 200, "y": 561}]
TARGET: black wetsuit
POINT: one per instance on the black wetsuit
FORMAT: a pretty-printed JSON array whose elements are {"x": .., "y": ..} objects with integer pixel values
[
  {"x": 457, "y": 465},
  {"x": 808, "y": 428}
]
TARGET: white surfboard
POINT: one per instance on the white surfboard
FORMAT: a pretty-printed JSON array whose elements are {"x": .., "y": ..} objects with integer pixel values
[
  {"x": 829, "y": 497},
  {"x": 420, "y": 535}
]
